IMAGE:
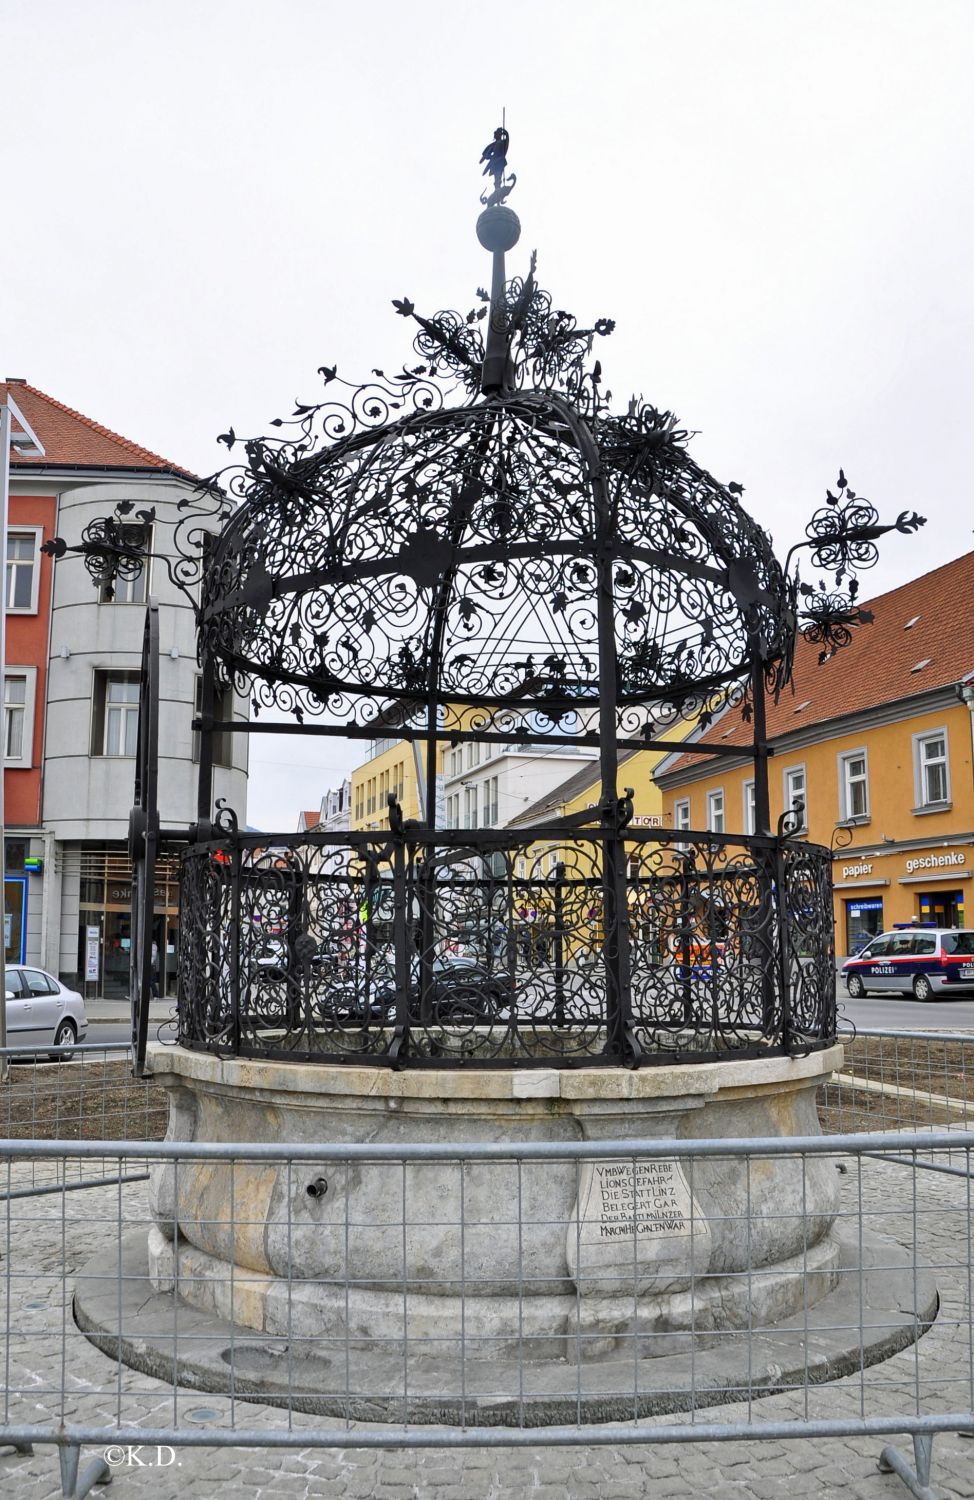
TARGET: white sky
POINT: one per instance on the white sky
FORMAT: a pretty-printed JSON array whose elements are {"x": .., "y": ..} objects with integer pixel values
[{"x": 205, "y": 201}]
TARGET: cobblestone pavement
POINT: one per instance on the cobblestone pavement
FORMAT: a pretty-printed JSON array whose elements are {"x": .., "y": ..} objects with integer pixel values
[{"x": 40, "y": 1236}]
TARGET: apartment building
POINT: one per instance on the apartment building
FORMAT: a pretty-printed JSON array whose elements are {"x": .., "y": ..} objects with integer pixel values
[
  {"x": 876, "y": 745},
  {"x": 71, "y": 690}
]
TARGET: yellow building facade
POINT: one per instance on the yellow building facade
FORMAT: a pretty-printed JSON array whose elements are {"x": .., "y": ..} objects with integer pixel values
[
  {"x": 878, "y": 744},
  {"x": 392, "y": 768},
  {"x": 909, "y": 855}
]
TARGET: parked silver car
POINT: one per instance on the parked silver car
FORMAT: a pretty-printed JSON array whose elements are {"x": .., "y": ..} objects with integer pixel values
[{"x": 41, "y": 1011}]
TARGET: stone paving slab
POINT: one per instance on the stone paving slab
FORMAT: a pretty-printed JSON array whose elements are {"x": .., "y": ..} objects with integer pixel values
[{"x": 39, "y": 1237}]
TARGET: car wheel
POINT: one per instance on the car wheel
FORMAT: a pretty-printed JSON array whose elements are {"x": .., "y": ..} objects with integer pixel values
[
  {"x": 855, "y": 986},
  {"x": 922, "y": 988},
  {"x": 65, "y": 1036}
]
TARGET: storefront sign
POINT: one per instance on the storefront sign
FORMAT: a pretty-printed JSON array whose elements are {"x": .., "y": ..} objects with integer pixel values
[
  {"x": 851, "y": 872},
  {"x": 935, "y": 862},
  {"x": 121, "y": 895},
  {"x": 92, "y": 951}
]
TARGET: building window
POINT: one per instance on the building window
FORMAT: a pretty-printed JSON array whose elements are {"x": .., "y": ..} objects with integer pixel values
[
  {"x": 473, "y": 754},
  {"x": 18, "y": 716},
  {"x": 681, "y": 813},
  {"x": 222, "y": 738},
  {"x": 853, "y": 786},
  {"x": 932, "y": 781},
  {"x": 715, "y": 811},
  {"x": 749, "y": 805},
  {"x": 115, "y": 725},
  {"x": 490, "y": 801},
  {"x": 795, "y": 793},
  {"x": 453, "y": 810},
  {"x": 470, "y": 807},
  {"x": 22, "y": 571},
  {"x": 131, "y": 590},
  {"x": 14, "y": 705}
]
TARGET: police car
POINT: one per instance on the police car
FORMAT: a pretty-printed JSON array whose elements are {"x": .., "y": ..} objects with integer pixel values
[{"x": 928, "y": 961}]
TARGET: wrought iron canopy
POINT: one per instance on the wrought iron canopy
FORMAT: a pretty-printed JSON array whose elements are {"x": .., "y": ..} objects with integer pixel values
[
  {"x": 512, "y": 554},
  {"x": 480, "y": 546}
]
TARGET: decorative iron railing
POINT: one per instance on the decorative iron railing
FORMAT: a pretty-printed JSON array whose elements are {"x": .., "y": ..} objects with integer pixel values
[{"x": 502, "y": 949}]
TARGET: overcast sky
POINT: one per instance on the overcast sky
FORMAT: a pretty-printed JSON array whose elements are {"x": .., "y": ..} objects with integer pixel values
[{"x": 206, "y": 201}]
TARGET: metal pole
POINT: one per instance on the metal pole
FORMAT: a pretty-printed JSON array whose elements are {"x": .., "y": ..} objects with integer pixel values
[{"x": 765, "y": 856}]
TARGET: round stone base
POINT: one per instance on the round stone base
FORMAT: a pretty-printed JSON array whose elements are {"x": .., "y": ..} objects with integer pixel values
[
  {"x": 593, "y": 1249},
  {"x": 880, "y": 1302},
  {"x": 556, "y": 1326}
]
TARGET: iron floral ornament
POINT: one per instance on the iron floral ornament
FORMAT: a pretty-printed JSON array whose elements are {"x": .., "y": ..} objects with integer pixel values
[{"x": 478, "y": 546}]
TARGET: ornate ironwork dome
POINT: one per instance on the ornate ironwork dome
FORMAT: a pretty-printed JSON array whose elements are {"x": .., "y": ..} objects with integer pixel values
[
  {"x": 479, "y": 548},
  {"x": 520, "y": 552}
]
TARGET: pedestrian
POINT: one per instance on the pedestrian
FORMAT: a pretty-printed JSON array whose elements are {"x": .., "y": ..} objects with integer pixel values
[{"x": 154, "y": 972}]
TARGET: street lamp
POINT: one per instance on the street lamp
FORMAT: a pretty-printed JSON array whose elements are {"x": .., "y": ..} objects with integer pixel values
[{"x": 26, "y": 442}]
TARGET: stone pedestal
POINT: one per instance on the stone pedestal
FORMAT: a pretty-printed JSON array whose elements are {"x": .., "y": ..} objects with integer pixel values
[{"x": 556, "y": 1259}]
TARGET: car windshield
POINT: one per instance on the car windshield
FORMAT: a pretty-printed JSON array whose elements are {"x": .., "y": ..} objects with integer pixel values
[{"x": 959, "y": 942}]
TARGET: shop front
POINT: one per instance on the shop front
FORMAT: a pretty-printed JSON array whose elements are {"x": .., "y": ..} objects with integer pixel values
[
  {"x": 105, "y": 924},
  {"x": 938, "y": 884},
  {"x": 863, "y": 919},
  {"x": 15, "y": 918},
  {"x": 879, "y": 889}
]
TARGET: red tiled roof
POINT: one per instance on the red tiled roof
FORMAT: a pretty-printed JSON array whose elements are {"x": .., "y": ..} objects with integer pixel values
[
  {"x": 308, "y": 820},
  {"x": 888, "y": 660},
  {"x": 70, "y": 438}
]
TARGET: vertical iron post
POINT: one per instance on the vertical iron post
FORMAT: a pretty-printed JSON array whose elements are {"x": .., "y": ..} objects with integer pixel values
[
  {"x": 235, "y": 884},
  {"x": 559, "y": 955},
  {"x": 764, "y": 849},
  {"x": 401, "y": 944}
]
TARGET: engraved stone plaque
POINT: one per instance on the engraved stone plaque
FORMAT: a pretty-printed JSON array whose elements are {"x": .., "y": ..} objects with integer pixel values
[{"x": 636, "y": 1228}]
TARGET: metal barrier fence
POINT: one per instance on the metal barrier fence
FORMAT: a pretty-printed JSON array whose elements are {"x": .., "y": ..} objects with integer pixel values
[
  {"x": 859, "y": 1363},
  {"x": 83, "y": 1092},
  {"x": 878, "y": 1342},
  {"x": 901, "y": 1080}
]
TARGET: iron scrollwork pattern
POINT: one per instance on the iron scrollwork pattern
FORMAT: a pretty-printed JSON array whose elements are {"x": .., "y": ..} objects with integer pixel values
[
  {"x": 478, "y": 545},
  {"x": 297, "y": 951}
]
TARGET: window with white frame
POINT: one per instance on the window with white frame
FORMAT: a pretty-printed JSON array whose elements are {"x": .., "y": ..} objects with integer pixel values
[
  {"x": 22, "y": 570},
  {"x": 490, "y": 801},
  {"x": 454, "y": 761},
  {"x": 930, "y": 768},
  {"x": 715, "y": 810},
  {"x": 681, "y": 813},
  {"x": 473, "y": 754},
  {"x": 853, "y": 785},
  {"x": 453, "y": 810},
  {"x": 796, "y": 793},
  {"x": 115, "y": 722},
  {"x": 750, "y": 821},
  {"x": 131, "y": 590},
  {"x": 18, "y": 717},
  {"x": 470, "y": 807}
]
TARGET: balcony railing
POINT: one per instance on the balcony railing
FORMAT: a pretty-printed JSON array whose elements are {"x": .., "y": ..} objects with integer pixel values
[{"x": 527, "y": 947}]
